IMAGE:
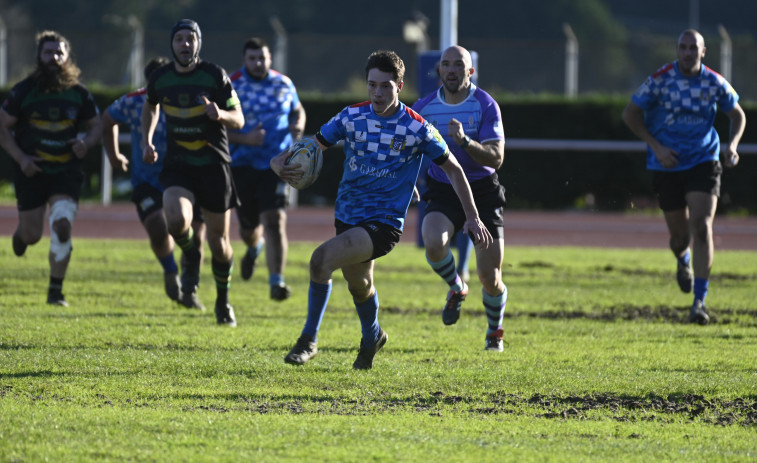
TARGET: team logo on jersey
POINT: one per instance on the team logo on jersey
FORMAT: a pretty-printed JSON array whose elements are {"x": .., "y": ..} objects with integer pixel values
[
  {"x": 184, "y": 99},
  {"x": 398, "y": 144},
  {"x": 71, "y": 112},
  {"x": 361, "y": 136},
  {"x": 53, "y": 113},
  {"x": 470, "y": 121}
]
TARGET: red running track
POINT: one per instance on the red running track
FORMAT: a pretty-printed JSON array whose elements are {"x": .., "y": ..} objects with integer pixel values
[{"x": 522, "y": 228}]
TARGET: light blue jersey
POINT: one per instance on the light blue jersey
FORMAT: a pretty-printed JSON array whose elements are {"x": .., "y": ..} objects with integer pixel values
[
  {"x": 679, "y": 111},
  {"x": 382, "y": 158},
  {"x": 268, "y": 102},
  {"x": 481, "y": 119},
  {"x": 127, "y": 110}
]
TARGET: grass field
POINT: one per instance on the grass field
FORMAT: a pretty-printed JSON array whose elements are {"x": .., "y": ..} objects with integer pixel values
[{"x": 599, "y": 364}]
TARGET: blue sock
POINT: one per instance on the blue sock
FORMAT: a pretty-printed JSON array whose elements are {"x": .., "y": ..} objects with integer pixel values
[
  {"x": 318, "y": 298},
  {"x": 495, "y": 310},
  {"x": 685, "y": 259},
  {"x": 368, "y": 313},
  {"x": 168, "y": 263},
  {"x": 700, "y": 289},
  {"x": 464, "y": 248},
  {"x": 255, "y": 251},
  {"x": 446, "y": 269},
  {"x": 276, "y": 279}
]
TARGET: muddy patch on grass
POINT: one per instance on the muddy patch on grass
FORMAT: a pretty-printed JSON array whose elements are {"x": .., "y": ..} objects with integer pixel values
[
  {"x": 720, "y": 412},
  {"x": 664, "y": 409},
  {"x": 630, "y": 312},
  {"x": 618, "y": 312}
]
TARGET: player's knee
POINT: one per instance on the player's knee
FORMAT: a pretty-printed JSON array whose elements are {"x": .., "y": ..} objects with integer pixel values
[
  {"x": 360, "y": 290},
  {"x": 318, "y": 268},
  {"x": 62, "y": 215}
]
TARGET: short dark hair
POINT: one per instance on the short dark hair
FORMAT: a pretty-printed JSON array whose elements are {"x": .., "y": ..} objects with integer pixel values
[
  {"x": 386, "y": 61},
  {"x": 255, "y": 43},
  {"x": 155, "y": 63}
]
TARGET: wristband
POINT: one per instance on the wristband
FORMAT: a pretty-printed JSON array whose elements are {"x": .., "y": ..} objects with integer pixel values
[{"x": 466, "y": 142}]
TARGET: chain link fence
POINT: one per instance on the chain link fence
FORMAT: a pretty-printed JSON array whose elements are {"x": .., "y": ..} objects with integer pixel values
[{"x": 334, "y": 63}]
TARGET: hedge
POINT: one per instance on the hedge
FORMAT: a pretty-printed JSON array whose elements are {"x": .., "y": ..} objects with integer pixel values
[{"x": 533, "y": 180}]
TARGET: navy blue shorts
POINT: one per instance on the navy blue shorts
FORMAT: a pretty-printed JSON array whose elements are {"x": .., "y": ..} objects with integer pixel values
[
  {"x": 488, "y": 195},
  {"x": 212, "y": 185},
  {"x": 383, "y": 236},
  {"x": 671, "y": 187},
  {"x": 33, "y": 192},
  {"x": 258, "y": 191}
]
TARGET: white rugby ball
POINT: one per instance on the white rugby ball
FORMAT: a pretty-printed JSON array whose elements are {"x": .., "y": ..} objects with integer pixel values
[{"x": 307, "y": 153}]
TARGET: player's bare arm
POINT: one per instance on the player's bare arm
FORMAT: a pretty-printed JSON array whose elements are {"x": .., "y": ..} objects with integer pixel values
[
  {"x": 254, "y": 137},
  {"x": 633, "y": 116},
  {"x": 27, "y": 163},
  {"x": 489, "y": 154},
  {"x": 297, "y": 122},
  {"x": 473, "y": 225},
  {"x": 110, "y": 143},
  {"x": 149, "y": 122},
  {"x": 232, "y": 118},
  {"x": 729, "y": 153}
]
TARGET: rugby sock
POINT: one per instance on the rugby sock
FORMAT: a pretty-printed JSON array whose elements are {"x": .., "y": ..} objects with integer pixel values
[
  {"x": 255, "y": 251},
  {"x": 685, "y": 259},
  {"x": 446, "y": 269},
  {"x": 700, "y": 289},
  {"x": 222, "y": 276},
  {"x": 187, "y": 245},
  {"x": 276, "y": 279},
  {"x": 495, "y": 310},
  {"x": 56, "y": 284},
  {"x": 368, "y": 313},
  {"x": 168, "y": 263},
  {"x": 464, "y": 247},
  {"x": 318, "y": 298}
]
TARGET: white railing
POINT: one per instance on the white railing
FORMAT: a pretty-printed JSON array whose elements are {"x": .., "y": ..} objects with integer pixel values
[{"x": 521, "y": 144}]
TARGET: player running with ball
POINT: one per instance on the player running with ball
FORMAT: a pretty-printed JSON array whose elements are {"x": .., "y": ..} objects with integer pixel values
[{"x": 384, "y": 143}]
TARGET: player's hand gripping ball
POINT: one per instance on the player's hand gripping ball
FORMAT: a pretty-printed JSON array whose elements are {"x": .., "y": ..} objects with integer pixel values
[{"x": 307, "y": 153}]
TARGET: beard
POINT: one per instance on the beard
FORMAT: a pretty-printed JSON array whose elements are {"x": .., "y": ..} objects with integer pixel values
[{"x": 54, "y": 78}]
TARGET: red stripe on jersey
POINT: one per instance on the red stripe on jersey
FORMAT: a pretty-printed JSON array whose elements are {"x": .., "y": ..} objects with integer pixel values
[
  {"x": 663, "y": 70},
  {"x": 712, "y": 71},
  {"x": 414, "y": 115},
  {"x": 357, "y": 105},
  {"x": 141, "y": 91}
]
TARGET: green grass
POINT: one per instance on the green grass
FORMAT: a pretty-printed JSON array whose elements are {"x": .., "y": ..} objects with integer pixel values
[{"x": 599, "y": 364}]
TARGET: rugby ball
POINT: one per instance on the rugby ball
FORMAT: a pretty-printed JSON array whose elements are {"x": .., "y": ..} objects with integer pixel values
[{"x": 307, "y": 153}]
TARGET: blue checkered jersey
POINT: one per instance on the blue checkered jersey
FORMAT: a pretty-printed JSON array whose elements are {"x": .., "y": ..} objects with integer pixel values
[
  {"x": 268, "y": 102},
  {"x": 481, "y": 119},
  {"x": 127, "y": 110},
  {"x": 382, "y": 159},
  {"x": 680, "y": 112}
]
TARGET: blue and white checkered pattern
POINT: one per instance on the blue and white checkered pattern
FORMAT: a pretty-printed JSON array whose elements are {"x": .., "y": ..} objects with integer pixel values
[
  {"x": 127, "y": 110},
  {"x": 382, "y": 160},
  {"x": 267, "y": 102},
  {"x": 680, "y": 112}
]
